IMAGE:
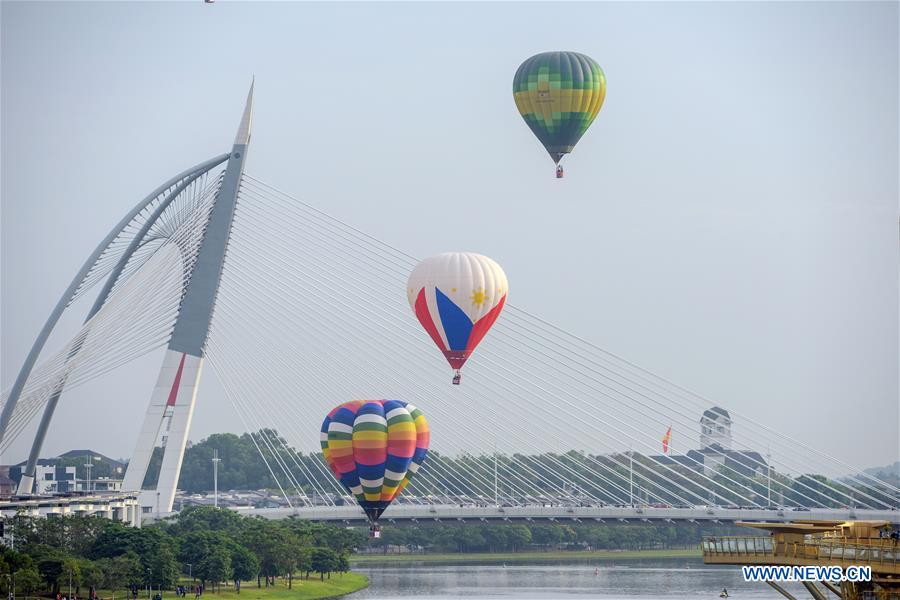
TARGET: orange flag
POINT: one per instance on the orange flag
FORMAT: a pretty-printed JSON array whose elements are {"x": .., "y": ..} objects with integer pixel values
[{"x": 666, "y": 439}]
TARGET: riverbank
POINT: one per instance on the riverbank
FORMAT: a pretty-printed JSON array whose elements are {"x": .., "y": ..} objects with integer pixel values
[
  {"x": 498, "y": 557},
  {"x": 303, "y": 589}
]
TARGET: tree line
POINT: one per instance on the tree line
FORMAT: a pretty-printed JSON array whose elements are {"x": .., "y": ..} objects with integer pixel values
[{"x": 517, "y": 537}]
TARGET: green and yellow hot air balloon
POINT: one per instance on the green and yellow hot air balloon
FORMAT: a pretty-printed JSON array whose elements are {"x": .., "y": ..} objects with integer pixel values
[{"x": 559, "y": 94}]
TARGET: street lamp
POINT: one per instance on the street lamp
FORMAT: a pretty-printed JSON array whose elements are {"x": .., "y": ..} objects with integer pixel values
[
  {"x": 148, "y": 584},
  {"x": 215, "y": 461},
  {"x": 87, "y": 467}
]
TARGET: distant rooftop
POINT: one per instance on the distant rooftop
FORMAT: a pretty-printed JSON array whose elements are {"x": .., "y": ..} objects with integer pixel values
[
  {"x": 715, "y": 412},
  {"x": 77, "y": 454},
  {"x": 80, "y": 453}
]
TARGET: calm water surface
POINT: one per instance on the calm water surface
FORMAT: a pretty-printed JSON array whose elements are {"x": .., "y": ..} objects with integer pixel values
[{"x": 627, "y": 579}]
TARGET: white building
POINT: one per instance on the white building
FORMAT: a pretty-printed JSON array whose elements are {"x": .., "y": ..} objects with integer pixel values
[
  {"x": 715, "y": 429},
  {"x": 50, "y": 479}
]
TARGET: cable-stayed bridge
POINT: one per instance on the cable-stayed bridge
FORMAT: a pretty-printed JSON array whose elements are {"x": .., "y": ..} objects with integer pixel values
[{"x": 296, "y": 311}]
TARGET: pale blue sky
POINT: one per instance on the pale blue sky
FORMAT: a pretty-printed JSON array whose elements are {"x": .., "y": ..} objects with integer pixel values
[{"x": 729, "y": 221}]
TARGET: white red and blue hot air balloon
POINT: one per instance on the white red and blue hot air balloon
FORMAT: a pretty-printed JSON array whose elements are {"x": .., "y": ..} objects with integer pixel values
[{"x": 457, "y": 297}]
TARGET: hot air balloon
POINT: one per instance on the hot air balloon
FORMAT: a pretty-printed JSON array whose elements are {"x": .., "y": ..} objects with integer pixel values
[
  {"x": 374, "y": 448},
  {"x": 559, "y": 94},
  {"x": 457, "y": 296}
]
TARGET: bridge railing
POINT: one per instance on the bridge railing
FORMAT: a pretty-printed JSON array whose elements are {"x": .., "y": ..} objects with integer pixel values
[
  {"x": 883, "y": 551},
  {"x": 734, "y": 545},
  {"x": 882, "y": 554}
]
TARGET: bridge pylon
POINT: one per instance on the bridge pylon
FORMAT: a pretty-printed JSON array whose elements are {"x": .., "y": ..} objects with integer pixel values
[
  {"x": 171, "y": 406},
  {"x": 172, "y": 402}
]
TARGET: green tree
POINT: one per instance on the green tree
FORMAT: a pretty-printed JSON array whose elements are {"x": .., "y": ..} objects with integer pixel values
[
  {"x": 152, "y": 545},
  {"x": 215, "y": 566},
  {"x": 18, "y": 571},
  {"x": 391, "y": 536},
  {"x": 272, "y": 544},
  {"x": 193, "y": 546},
  {"x": 71, "y": 573},
  {"x": 208, "y": 519},
  {"x": 595, "y": 536},
  {"x": 51, "y": 569},
  {"x": 28, "y": 580},
  {"x": 163, "y": 567},
  {"x": 244, "y": 565},
  {"x": 304, "y": 561},
  {"x": 324, "y": 560},
  {"x": 469, "y": 539},
  {"x": 343, "y": 563},
  {"x": 518, "y": 537},
  {"x": 547, "y": 535},
  {"x": 120, "y": 572},
  {"x": 444, "y": 540},
  {"x": 79, "y": 533},
  {"x": 496, "y": 537},
  {"x": 92, "y": 574}
]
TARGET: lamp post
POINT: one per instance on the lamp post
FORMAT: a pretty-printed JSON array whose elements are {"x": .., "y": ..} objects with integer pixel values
[
  {"x": 88, "y": 465},
  {"x": 215, "y": 461},
  {"x": 496, "y": 500},
  {"x": 631, "y": 476}
]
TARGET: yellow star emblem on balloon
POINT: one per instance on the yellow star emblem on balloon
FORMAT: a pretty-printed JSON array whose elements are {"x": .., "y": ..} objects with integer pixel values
[{"x": 478, "y": 297}]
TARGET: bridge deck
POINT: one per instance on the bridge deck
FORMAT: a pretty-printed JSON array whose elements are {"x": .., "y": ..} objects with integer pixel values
[{"x": 424, "y": 512}]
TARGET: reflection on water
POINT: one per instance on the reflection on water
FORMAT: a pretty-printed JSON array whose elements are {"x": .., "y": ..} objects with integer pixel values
[{"x": 628, "y": 579}]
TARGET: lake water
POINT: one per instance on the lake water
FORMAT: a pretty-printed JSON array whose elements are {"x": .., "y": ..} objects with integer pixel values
[{"x": 673, "y": 579}]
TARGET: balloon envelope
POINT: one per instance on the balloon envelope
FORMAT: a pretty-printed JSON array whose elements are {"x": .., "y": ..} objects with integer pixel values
[
  {"x": 559, "y": 94},
  {"x": 457, "y": 297},
  {"x": 374, "y": 448}
]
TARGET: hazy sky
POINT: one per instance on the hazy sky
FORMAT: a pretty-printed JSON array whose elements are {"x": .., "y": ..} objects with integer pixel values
[{"x": 729, "y": 221}]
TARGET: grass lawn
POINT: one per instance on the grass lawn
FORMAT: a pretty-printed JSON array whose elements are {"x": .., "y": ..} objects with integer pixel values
[
  {"x": 302, "y": 590},
  {"x": 358, "y": 559}
]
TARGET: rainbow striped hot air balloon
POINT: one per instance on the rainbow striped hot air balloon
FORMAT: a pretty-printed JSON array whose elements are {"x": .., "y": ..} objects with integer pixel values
[
  {"x": 558, "y": 95},
  {"x": 374, "y": 447},
  {"x": 457, "y": 297}
]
